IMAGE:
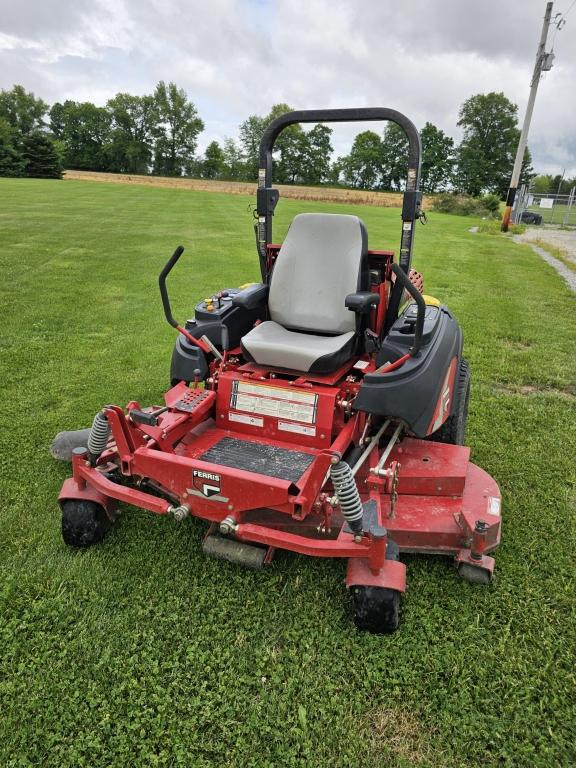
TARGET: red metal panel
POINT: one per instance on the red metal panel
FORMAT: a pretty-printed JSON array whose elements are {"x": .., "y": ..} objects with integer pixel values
[
  {"x": 392, "y": 575},
  {"x": 314, "y": 433},
  {"x": 71, "y": 490},
  {"x": 238, "y": 490},
  {"x": 431, "y": 468},
  {"x": 343, "y": 546}
]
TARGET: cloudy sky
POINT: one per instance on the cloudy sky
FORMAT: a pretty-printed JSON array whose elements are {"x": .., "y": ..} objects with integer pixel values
[{"x": 238, "y": 57}]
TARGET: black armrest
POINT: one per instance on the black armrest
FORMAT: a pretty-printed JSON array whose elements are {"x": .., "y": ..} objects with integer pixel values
[
  {"x": 362, "y": 302},
  {"x": 252, "y": 297}
]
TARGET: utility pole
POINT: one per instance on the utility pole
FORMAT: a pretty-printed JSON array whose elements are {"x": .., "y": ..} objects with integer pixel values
[{"x": 543, "y": 64}]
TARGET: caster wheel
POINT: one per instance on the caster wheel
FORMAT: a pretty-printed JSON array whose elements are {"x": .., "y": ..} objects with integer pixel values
[
  {"x": 376, "y": 609},
  {"x": 474, "y": 574},
  {"x": 84, "y": 523}
]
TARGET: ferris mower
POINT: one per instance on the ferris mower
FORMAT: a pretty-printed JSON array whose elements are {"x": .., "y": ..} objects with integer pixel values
[{"x": 320, "y": 411}]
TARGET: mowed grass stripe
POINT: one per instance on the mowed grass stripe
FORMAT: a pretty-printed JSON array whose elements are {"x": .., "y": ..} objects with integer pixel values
[{"x": 142, "y": 652}]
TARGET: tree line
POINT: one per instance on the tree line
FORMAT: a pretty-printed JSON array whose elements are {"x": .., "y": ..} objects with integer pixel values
[{"x": 158, "y": 134}]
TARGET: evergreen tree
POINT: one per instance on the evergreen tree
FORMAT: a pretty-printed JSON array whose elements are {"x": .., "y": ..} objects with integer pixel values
[
  {"x": 40, "y": 156},
  {"x": 11, "y": 163}
]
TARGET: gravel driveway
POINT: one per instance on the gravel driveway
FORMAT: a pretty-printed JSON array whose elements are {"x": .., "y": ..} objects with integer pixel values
[{"x": 560, "y": 238}]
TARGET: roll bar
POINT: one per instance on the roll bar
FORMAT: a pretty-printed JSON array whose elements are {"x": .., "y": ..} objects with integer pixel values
[{"x": 267, "y": 197}]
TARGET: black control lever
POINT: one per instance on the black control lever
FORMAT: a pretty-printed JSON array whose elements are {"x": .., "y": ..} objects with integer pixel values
[
  {"x": 166, "y": 301},
  {"x": 162, "y": 282},
  {"x": 403, "y": 280}
]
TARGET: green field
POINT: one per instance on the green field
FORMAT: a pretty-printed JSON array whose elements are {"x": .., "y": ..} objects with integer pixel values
[
  {"x": 560, "y": 215},
  {"x": 143, "y": 653}
]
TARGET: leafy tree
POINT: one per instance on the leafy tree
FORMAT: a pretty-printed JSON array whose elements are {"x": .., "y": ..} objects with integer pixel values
[
  {"x": 85, "y": 132},
  {"x": 363, "y": 166},
  {"x": 11, "y": 163},
  {"x": 40, "y": 156},
  {"x": 335, "y": 171},
  {"x": 177, "y": 129},
  {"x": 289, "y": 149},
  {"x": 542, "y": 185},
  {"x": 214, "y": 161},
  {"x": 22, "y": 110},
  {"x": 437, "y": 159},
  {"x": 560, "y": 185},
  {"x": 234, "y": 166},
  {"x": 486, "y": 153},
  {"x": 131, "y": 139},
  {"x": 315, "y": 157},
  {"x": 251, "y": 131},
  {"x": 394, "y": 157}
]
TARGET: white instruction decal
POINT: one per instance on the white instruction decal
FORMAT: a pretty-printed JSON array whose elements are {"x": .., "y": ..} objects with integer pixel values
[{"x": 280, "y": 403}]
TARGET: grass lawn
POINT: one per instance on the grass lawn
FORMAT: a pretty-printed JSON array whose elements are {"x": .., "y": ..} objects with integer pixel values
[{"x": 141, "y": 652}]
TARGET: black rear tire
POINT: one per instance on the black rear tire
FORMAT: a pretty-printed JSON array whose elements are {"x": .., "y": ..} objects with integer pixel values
[
  {"x": 84, "y": 523},
  {"x": 453, "y": 431},
  {"x": 377, "y": 609}
]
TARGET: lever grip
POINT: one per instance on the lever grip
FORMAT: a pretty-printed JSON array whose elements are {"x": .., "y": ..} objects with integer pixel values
[
  {"x": 162, "y": 283},
  {"x": 403, "y": 279}
]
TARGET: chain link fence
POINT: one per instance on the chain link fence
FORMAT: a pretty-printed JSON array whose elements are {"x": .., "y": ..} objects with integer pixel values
[{"x": 534, "y": 208}]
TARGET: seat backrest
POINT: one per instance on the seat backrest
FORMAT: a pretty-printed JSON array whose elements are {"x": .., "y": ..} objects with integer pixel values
[{"x": 321, "y": 261}]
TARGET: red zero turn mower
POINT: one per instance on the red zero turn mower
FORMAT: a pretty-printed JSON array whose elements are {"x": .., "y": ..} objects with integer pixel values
[{"x": 321, "y": 411}]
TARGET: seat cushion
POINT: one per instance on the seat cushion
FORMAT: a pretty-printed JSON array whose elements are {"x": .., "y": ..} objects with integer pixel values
[
  {"x": 272, "y": 344},
  {"x": 321, "y": 261}
]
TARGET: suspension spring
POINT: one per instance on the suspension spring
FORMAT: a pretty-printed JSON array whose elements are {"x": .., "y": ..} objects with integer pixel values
[
  {"x": 348, "y": 496},
  {"x": 99, "y": 434}
]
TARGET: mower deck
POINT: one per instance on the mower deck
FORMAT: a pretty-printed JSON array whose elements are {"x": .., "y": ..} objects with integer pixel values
[{"x": 440, "y": 494}]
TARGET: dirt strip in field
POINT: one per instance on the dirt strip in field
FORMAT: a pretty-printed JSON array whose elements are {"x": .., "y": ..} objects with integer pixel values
[{"x": 323, "y": 194}]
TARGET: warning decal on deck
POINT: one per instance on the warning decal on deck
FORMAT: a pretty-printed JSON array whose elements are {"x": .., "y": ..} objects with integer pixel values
[
  {"x": 280, "y": 403},
  {"x": 254, "y": 421},
  {"x": 300, "y": 429}
]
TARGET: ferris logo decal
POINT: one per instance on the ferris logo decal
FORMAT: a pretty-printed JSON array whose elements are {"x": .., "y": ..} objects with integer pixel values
[{"x": 206, "y": 482}]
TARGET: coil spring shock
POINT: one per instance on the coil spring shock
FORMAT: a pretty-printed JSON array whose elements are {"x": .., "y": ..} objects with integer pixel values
[
  {"x": 348, "y": 496},
  {"x": 99, "y": 434}
]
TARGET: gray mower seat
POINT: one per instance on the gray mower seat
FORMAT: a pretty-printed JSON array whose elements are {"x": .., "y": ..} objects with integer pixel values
[{"x": 322, "y": 260}]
